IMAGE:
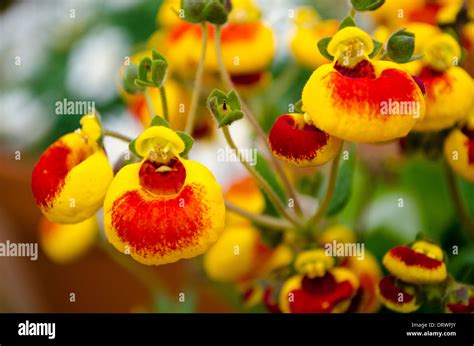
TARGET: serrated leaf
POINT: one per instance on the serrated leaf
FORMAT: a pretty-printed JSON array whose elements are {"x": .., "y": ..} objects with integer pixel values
[
  {"x": 401, "y": 45},
  {"x": 348, "y": 21},
  {"x": 159, "y": 121},
  {"x": 188, "y": 142},
  {"x": 343, "y": 189},
  {"x": 377, "y": 47},
  {"x": 323, "y": 47},
  {"x": 367, "y": 5}
]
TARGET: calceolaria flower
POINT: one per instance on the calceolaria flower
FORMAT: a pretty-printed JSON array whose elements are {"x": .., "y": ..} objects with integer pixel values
[
  {"x": 310, "y": 28},
  {"x": 357, "y": 99},
  {"x": 461, "y": 300},
  {"x": 397, "y": 295},
  {"x": 422, "y": 263},
  {"x": 449, "y": 89},
  {"x": 320, "y": 287},
  {"x": 244, "y": 193},
  {"x": 295, "y": 140},
  {"x": 65, "y": 243},
  {"x": 459, "y": 149},
  {"x": 71, "y": 177},
  {"x": 163, "y": 208}
]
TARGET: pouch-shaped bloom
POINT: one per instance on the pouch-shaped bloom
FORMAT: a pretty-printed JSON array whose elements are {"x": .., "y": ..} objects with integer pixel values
[
  {"x": 461, "y": 300},
  {"x": 361, "y": 100},
  {"x": 397, "y": 296},
  {"x": 164, "y": 208},
  {"x": 459, "y": 150},
  {"x": 421, "y": 264},
  {"x": 71, "y": 177},
  {"x": 329, "y": 293},
  {"x": 449, "y": 89},
  {"x": 63, "y": 243},
  {"x": 295, "y": 141},
  {"x": 309, "y": 29}
]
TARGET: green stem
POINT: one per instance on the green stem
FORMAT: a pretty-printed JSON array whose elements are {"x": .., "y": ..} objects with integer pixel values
[
  {"x": 253, "y": 120},
  {"x": 316, "y": 218},
  {"x": 149, "y": 103},
  {"x": 261, "y": 181},
  {"x": 197, "y": 82},
  {"x": 262, "y": 220},
  {"x": 164, "y": 103},
  {"x": 352, "y": 13},
  {"x": 456, "y": 197},
  {"x": 117, "y": 135}
]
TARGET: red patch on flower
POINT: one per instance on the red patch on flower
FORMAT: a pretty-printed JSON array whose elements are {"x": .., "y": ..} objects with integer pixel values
[
  {"x": 270, "y": 300},
  {"x": 412, "y": 258},
  {"x": 470, "y": 151},
  {"x": 287, "y": 140},
  {"x": 432, "y": 78},
  {"x": 50, "y": 172},
  {"x": 181, "y": 29},
  {"x": 158, "y": 226},
  {"x": 392, "y": 85},
  {"x": 425, "y": 14},
  {"x": 460, "y": 308},
  {"x": 162, "y": 183},
  {"x": 247, "y": 79},
  {"x": 363, "y": 69},
  {"x": 391, "y": 292},
  {"x": 233, "y": 32},
  {"x": 320, "y": 295}
]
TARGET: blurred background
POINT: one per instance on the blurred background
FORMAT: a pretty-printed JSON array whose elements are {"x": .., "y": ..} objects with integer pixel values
[{"x": 52, "y": 50}]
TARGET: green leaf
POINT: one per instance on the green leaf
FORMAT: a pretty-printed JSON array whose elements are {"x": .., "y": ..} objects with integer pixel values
[
  {"x": 299, "y": 106},
  {"x": 215, "y": 12},
  {"x": 401, "y": 45},
  {"x": 188, "y": 142},
  {"x": 367, "y": 5},
  {"x": 230, "y": 118},
  {"x": 377, "y": 47},
  {"x": 158, "y": 71},
  {"x": 343, "y": 189},
  {"x": 233, "y": 100},
  {"x": 218, "y": 94},
  {"x": 323, "y": 47},
  {"x": 348, "y": 21},
  {"x": 144, "y": 68},
  {"x": 157, "y": 56},
  {"x": 159, "y": 121}
]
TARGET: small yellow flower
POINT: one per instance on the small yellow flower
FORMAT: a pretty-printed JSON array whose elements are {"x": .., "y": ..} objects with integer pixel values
[
  {"x": 449, "y": 89},
  {"x": 397, "y": 296},
  {"x": 308, "y": 31},
  {"x": 338, "y": 233},
  {"x": 329, "y": 293},
  {"x": 351, "y": 98},
  {"x": 244, "y": 193},
  {"x": 295, "y": 141},
  {"x": 164, "y": 208},
  {"x": 71, "y": 177},
  {"x": 459, "y": 149},
  {"x": 413, "y": 265},
  {"x": 65, "y": 243}
]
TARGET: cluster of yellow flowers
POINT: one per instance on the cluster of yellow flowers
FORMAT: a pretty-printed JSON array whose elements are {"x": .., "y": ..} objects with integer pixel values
[{"x": 164, "y": 207}]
